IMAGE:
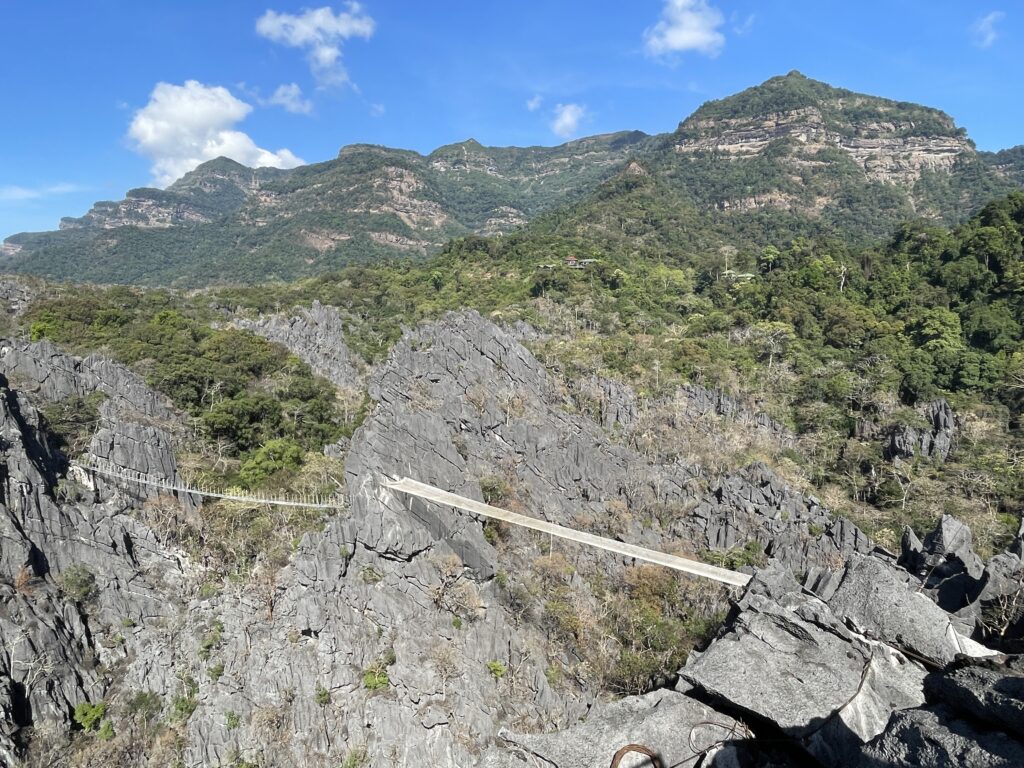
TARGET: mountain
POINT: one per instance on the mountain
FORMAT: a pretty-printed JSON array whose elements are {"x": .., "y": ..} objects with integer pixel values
[
  {"x": 791, "y": 157},
  {"x": 227, "y": 222}
]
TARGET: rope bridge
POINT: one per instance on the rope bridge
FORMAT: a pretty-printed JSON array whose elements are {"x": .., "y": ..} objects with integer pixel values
[
  {"x": 444, "y": 498},
  {"x": 107, "y": 469}
]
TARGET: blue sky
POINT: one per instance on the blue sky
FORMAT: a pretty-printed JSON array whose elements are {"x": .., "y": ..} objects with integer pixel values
[{"x": 102, "y": 96}]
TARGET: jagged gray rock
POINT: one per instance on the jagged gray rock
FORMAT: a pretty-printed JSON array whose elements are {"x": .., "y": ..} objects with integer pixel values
[
  {"x": 74, "y": 573},
  {"x": 876, "y": 599},
  {"x": 935, "y": 737},
  {"x": 988, "y": 691},
  {"x": 830, "y": 688},
  {"x": 44, "y": 372},
  {"x": 376, "y": 636},
  {"x": 15, "y": 296},
  {"x": 987, "y": 599},
  {"x": 316, "y": 336},
  {"x": 679, "y": 729},
  {"x": 936, "y": 442}
]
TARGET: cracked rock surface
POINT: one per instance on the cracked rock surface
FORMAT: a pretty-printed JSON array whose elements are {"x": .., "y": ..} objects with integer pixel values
[{"x": 387, "y": 635}]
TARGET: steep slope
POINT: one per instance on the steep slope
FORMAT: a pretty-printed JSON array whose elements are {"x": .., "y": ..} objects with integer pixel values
[
  {"x": 790, "y": 157},
  {"x": 405, "y": 633},
  {"x": 226, "y": 222}
]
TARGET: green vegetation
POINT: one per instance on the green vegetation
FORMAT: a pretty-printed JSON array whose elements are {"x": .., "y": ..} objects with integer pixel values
[
  {"x": 322, "y": 696},
  {"x": 88, "y": 715},
  {"x": 750, "y": 554},
  {"x": 497, "y": 669},
  {"x": 375, "y": 677},
  {"x": 232, "y": 720},
  {"x": 78, "y": 583},
  {"x": 185, "y": 703},
  {"x": 211, "y": 639},
  {"x": 145, "y": 706},
  {"x": 355, "y": 758},
  {"x": 839, "y": 107},
  {"x": 324, "y": 217},
  {"x": 73, "y": 421}
]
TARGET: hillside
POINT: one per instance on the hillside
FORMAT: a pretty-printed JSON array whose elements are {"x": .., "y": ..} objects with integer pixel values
[
  {"x": 849, "y": 417},
  {"x": 791, "y": 157},
  {"x": 226, "y": 222}
]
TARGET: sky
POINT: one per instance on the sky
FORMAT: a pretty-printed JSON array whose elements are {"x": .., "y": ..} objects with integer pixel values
[{"x": 102, "y": 96}]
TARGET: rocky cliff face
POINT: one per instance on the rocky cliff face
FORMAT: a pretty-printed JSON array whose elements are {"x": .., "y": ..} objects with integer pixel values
[
  {"x": 210, "y": 191},
  {"x": 832, "y": 158},
  {"x": 395, "y": 635},
  {"x": 316, "y": 336},
  {"x": 887, "y": 151}
]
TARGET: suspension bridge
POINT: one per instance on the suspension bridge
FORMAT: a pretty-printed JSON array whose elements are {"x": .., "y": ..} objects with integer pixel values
[{"x": 441, "y": 497}]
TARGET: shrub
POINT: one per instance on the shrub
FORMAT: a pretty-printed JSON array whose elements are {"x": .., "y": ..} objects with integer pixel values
[
  {"x": 145, "y": 706},
  {"x": 211, "y": 639},
  {"x": 232, "y": 720},
  {"x": 78, "y": 583},
  {"x": 273, "y": 457},
  {"x": 497, "y": 669},
  {"x": 376, "y": 677},
  {"x": 355, "y": 758},
  {"x": 321, "y": 696},
  {"x": 89, "y": 715},
  {"x": 495, "y": 490}
]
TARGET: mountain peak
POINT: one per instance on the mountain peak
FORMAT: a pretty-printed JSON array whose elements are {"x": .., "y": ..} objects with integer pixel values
[{"x": 841, "y": 110}]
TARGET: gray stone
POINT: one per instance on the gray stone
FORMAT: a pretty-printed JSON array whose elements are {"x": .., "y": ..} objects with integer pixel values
[
  {"x": 679, "y": 729},
  {"x": 786, "y": 657},
  {"x": 316, "y": 336},
  {"x": 935, "y": 737},
  {"x": 986, "y": 691},
  {"x": 877, "y": 601}
]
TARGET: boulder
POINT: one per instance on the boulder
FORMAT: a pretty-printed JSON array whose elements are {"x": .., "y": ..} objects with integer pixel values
[
  {"x": 829, "y": 688},
  {"x": 677, "y": 728}
]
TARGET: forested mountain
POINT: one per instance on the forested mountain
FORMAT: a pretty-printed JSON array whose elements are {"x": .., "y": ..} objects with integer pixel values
[
  {"x": 786, "y": 339},
  {"x": 790, "y": 157}
]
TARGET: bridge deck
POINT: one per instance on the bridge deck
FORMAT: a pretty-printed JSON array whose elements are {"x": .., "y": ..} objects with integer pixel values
[{"x": 438, "y": 496}]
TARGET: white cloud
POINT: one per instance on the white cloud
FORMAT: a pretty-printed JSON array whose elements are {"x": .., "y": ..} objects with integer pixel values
[
  {"x": 377, "y": 110},
  {"x": 686, "y": 25},
  {"x": 983, "y": 31},
  {"x": 742, "y": 27},
  {"x": 290, "y": 97},
  {"x": 320, "y": 31},
  {"x": 533, "y": 104},
  {"x": 14, "y": 193},
  {"x": 185, "y": 125},
  {"x": 567, "y": 119}
]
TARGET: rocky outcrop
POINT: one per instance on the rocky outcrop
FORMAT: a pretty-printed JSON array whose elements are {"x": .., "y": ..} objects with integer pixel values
[
  {"x": 827, "y": 686},
  {"x": 833, "y": 665},
  {"x": 973, "y": 718},
  {"x": 150, "y": 208},
  {"x": 15, "y": 296},
  {"x": 679, "y": 729},
  {"x": 72, "y": 576},
  {"x": 934, "y": 442},
  {"x": 317, "y": 337},
  {"x": 48, "y": 374},
  {"x": 986, "y": 599},
  {"x": 388, "y": 636}
]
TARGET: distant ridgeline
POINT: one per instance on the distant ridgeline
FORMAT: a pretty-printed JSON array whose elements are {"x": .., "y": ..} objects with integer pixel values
[{"x": 789, "y": 158}]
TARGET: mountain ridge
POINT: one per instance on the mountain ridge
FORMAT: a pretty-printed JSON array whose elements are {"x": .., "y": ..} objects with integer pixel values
[{"x": 790, "y": 157}]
